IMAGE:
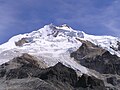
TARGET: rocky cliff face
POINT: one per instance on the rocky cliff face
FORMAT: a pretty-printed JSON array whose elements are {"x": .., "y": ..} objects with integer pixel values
[
  {"x": 28, "y": 75},
  {"x": 118, "y": 46},
  {"x": 100, "y": 60},
  {"x": 21, "y": 42}
]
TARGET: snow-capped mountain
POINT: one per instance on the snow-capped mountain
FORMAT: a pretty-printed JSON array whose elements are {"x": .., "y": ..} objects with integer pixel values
[
  {"x": 60, "y": 58},
  {"x": 53, "y": 44}
]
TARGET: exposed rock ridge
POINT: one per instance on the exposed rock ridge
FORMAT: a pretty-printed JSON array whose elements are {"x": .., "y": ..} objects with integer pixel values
[
  {"x": 21, "y": 42},
  {"x": 100, "y": 60},
  {"x": 30, "y": 76}
]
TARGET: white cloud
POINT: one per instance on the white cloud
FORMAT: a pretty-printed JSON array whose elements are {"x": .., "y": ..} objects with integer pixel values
[{"x": 87, "y": 14}]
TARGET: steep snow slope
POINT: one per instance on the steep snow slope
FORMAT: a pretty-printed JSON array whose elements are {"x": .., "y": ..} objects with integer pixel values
[
  {"x": 48, "y": 39},
  {"x": 53, "y": 44},
  {"x": 50, "y": 44}
]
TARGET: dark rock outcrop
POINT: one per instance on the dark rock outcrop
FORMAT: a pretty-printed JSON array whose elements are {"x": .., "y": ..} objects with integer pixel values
[
  {"x": 112, "y": 80},
  {"x": 58, "y": 77},
  {"x": 105, "y": 64},
  {"x": 118, "y": 45},
  {"x": 98, "y": 59},
  {"x": 90, "y": 82},
  {"x": 21, "y": 42},
  {"x": 116, "y": 48},
  {"x": 59, "y": 72},
  {"x": 26, "y": 84},
  {"x": 87, "y": 50}
]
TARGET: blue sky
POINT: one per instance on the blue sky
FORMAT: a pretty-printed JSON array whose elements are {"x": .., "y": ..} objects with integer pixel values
[{"x": 98, "y": 17}]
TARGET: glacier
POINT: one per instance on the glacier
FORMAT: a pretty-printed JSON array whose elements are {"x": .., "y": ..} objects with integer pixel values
[{"x": 53, "y": 44}]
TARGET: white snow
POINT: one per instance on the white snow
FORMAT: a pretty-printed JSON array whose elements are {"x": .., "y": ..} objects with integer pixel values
[
  {"x": 49, "y": 44},
  {"x": 54, "y": 44},
  {"x": 105, "y": 42}
]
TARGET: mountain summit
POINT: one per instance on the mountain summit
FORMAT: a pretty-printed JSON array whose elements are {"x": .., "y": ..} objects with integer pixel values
[
  {"x": 54, "y": 42},
  {"x": 54, "y": 38},
  {"x": 75, "y": 49}
]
